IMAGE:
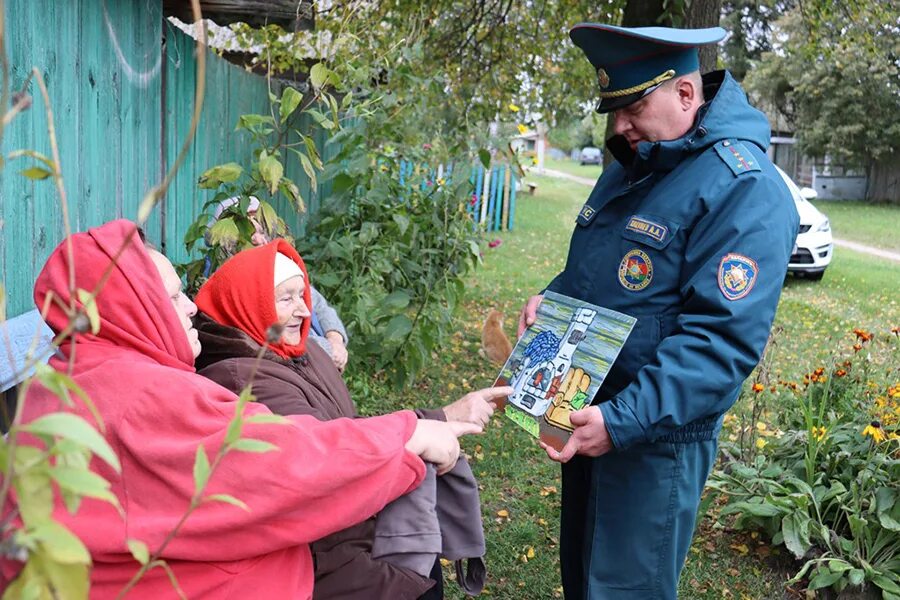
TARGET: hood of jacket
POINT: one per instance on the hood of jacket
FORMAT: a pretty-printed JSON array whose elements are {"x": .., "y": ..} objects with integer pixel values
[
  {"x": 134, "y": 309},
  {"x": 726, "y": 114}
]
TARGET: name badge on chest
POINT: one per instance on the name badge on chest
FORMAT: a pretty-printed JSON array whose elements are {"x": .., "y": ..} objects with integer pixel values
[{"x": 655, "y": 231}]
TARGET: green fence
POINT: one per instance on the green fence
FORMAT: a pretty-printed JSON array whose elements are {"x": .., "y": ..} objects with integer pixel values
[{"x": 121, "y": 82}]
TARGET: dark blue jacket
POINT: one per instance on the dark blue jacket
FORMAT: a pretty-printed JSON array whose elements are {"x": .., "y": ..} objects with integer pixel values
[{"x": 692, "y": 237}]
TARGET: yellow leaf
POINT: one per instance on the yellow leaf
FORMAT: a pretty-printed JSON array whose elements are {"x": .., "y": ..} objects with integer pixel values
[
  {"x": 503, "y": 513},
  {"x": 742, "y": 548},
  {"x": 530, "y": 552}
]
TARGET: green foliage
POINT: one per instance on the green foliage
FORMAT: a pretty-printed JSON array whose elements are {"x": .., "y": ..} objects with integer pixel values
[
  {"x": 275, "y": 141},
  {"x": 391, "y": 256},
  {"x": 825, "y": 482},
  {"x": 836, "y": 78},
  {"x": 486, "y": 54}
]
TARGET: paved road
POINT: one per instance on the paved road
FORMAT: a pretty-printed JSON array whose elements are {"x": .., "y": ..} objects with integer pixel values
[{"x": 894, "y": 256}]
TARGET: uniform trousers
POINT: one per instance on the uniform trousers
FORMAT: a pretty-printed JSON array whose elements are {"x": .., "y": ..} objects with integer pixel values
[{"x": 628, "y": 518}]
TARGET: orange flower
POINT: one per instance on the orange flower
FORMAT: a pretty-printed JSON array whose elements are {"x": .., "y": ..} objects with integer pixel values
[
  {"x": 840, "y": 373},
  {"x": 895, "y": 331},
  {"x": 863, "y": 335},
  {"x": 857, "y": 347},
  {"x": 758, "y": 387}
]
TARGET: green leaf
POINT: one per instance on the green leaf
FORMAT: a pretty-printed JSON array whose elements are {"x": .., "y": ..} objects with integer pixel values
[
  {"x": 795, "y": 528},
  {"x": 485, "y": 157},
  {"x": 308, "y": 169},
  {"x": 824, "y": 578},
  {"x": 752, "y": 508},
  {"x": 201, "y": 469},
  {"x": 253, "y": 122},
  {"x": 396, "y": 301},
  {"x": 318, "y": 74},
  {"x": 224, "y": 232},
  {"x": 36, "y": 173},
  {"x": 312, "y": 151},
  {"x": 886, "y": 584},
  {"x": 61, "y": 384},
  {"x": 839, "y": 566},
  {"x": 78, "y": 430},
  {"x": 271, "y": 170},
  {"x": 398, "y": 328},
  {"x": 227, "y": 499},
  {"x": 61, "y": 545},
  {"x": 290, "y": 100},
  {"x": 214, "y": 177},
  {"x": 84, "y": 483},
  {"x": 402, "y": 222},
  {"x": 266, "y": 419},
  {"x": 290, "y": 189},
  {"x": 90, "y": 309},
  {"x": 138, "y": 550},
  {"x": 234, "y": 430},
  {"x": 251, "y": 445},
  {"x": 857, "y": 576}
]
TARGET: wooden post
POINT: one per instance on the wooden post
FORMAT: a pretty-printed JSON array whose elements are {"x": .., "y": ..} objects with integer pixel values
[{"x": 504, "y": 219}]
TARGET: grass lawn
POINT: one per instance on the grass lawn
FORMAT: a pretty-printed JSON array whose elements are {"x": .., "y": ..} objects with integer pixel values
[
  {"x": 871, "y": 224},
  {"x": 520, "y": 487},
  {"x": 572, "y": 167}
]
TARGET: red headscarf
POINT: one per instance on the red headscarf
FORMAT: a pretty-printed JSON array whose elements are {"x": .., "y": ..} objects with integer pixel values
[
  {"x": 135, "y": 311},
  {"x": 241, "y": 294}
]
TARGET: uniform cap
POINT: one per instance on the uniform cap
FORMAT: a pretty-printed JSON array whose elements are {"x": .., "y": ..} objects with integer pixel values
[{"x": 631, "y": 62}]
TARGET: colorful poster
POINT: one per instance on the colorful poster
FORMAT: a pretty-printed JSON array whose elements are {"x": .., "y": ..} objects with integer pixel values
[{"x": 559, "y": 363}]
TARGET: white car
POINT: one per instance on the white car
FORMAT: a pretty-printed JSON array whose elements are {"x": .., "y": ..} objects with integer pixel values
[{"x": 814, "y": 246}]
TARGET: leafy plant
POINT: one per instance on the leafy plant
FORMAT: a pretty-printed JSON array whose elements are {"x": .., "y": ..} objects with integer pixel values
[
  {"x": 826, "y": 480},
  {"x": 275, "y": 139}
]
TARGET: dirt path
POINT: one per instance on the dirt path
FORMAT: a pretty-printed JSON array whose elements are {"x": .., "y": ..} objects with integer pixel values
[{"x": 894, "y": 256}]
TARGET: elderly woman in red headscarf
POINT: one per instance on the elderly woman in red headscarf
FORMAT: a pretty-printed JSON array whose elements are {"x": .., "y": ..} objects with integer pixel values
[
  {"x": 138, "y": 371},
  {"x": 269, "y": 284}
]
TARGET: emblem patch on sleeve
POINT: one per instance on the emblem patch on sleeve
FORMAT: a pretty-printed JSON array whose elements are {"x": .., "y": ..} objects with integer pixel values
[
  {"x": 737, "y": 274},
  {"x": 635, "y": 270}
]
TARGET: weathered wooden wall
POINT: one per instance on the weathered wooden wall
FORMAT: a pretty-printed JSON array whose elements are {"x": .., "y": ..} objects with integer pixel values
[
  {"x": 122, "y": 104},
  {"x": 884, "y": 182}
]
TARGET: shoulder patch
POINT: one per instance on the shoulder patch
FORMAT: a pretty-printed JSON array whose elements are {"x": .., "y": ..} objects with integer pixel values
[
  {"x": 737, "y": 274},
  {"x": 736, "y": 156}
]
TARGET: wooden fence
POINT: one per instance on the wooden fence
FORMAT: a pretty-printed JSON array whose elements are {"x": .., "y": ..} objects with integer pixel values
[
  {"x": 121, "y": 83},
  {"x": 493, "y": 198}
]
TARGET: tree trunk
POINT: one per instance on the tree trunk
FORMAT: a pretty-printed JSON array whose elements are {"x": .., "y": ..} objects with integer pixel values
[
  {"x": 705, "y": 13},
  {"x": 647, "y": 13}
]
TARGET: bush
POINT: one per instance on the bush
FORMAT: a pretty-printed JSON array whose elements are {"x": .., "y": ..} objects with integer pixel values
[
  {"x": 391, "y": 255},
  {"x": 824, "y": 479}
]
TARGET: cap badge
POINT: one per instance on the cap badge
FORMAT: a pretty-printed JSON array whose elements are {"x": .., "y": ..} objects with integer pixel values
[{"x": 602, "y": 78}]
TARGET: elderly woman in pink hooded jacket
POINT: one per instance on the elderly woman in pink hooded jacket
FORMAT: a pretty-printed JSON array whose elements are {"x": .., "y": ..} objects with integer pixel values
[{"x": 138, "y": 370}]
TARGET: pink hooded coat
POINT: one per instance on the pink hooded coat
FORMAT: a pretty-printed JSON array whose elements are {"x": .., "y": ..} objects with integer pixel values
[{"x": 139, "y": 372}]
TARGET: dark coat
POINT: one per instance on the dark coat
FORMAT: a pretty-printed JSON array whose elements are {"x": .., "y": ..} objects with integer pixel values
[{"x": 311, "y": 385}]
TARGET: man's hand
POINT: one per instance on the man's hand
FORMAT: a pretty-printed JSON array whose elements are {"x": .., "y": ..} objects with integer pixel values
[
  {"x": 476, "y": 407},
  {"x": 338, "y": 350},
  {"x": 590, "y": 437},
  {"x": 528, "y": 314}
]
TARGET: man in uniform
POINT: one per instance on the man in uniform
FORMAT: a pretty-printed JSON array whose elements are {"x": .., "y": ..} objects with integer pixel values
[{"x": 689, "y": 231}]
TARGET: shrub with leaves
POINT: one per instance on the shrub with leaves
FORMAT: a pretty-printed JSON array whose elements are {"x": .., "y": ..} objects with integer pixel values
[
  {"x": 391, "y": 256},
  {"x": 824, "y": 480}
]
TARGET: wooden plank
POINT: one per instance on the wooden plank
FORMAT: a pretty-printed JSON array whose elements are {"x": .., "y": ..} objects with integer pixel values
[
  {"x": 512, "y": 202},
  {"x": 293, "y": 15},
  {"x": 485, "y": 195},
  {"x": 504, "y": 217}
]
